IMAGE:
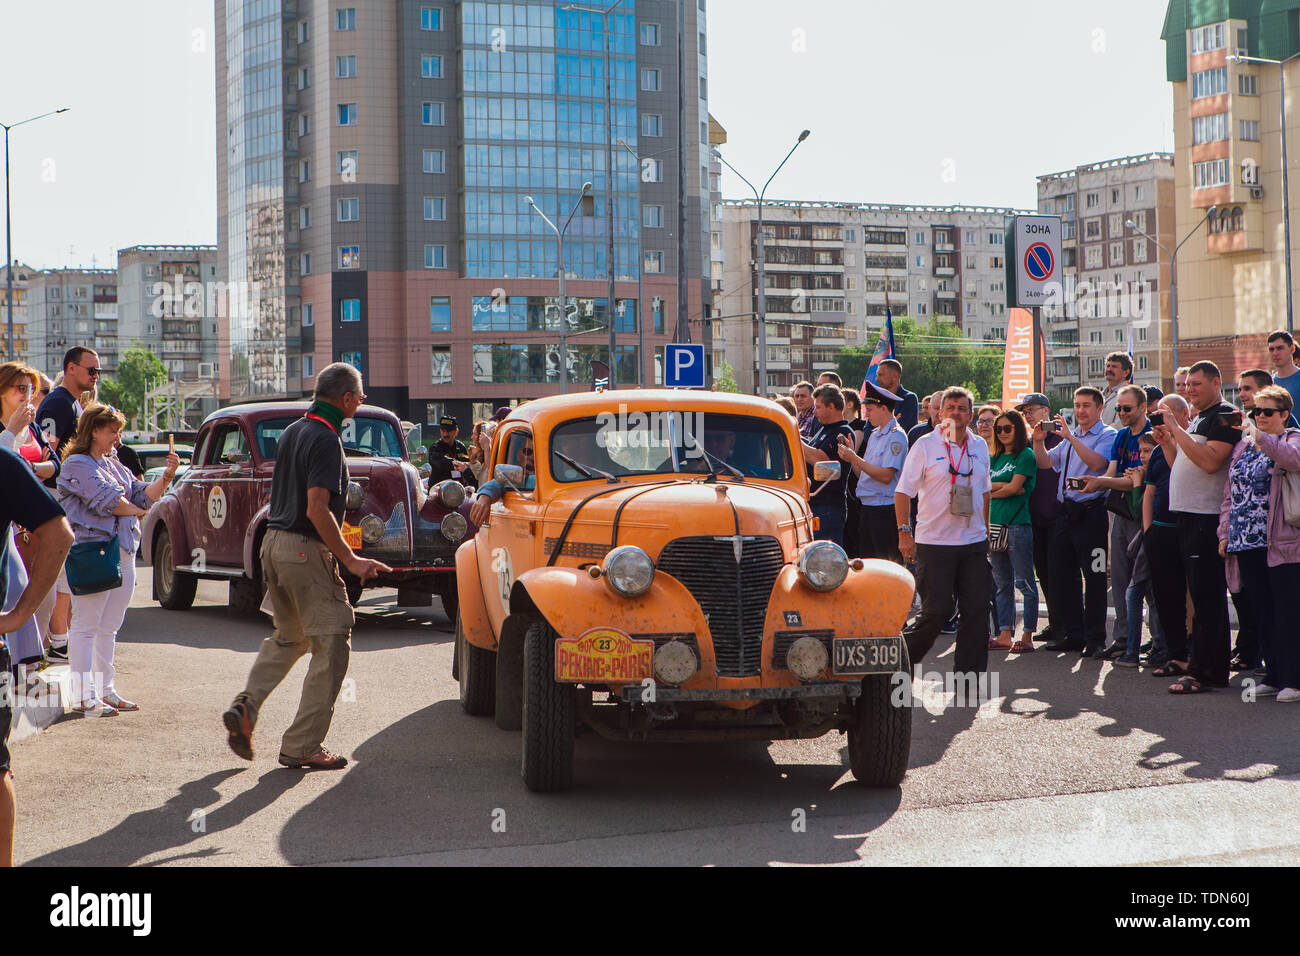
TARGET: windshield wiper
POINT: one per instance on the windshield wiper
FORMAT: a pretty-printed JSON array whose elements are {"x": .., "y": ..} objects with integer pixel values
[
  {"x": 711, "y": 459},
  {"x": 587, "y": 470}
]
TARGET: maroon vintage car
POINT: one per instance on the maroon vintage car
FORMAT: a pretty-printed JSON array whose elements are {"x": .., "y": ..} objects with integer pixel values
[{"x": 211, "y": 521}]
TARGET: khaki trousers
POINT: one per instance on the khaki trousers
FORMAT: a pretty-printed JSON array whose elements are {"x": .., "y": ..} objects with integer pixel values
[{"x": 312, "y": 613}]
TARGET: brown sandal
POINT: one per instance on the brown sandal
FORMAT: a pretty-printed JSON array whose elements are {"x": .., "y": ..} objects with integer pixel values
[{"x": 1022, "y": 647}]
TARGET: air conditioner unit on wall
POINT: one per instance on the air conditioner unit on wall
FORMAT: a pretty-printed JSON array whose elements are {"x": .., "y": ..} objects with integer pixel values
[
  {"x": 207, "y": 370},
  {"x": 1256, "y": 192}
]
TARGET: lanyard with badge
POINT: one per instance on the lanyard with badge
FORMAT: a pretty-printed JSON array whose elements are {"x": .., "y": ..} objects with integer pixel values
[{"x": 961, "y": 498}]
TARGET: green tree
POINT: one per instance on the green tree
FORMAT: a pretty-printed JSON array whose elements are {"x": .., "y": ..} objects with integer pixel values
[
  {"x": 724, "y": 378},
  {"x": 933, "y": 356},
  {"x": 138, "y": 372}
]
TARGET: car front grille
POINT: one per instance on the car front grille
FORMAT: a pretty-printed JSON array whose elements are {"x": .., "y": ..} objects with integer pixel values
[{"x": 733, "y": 595}]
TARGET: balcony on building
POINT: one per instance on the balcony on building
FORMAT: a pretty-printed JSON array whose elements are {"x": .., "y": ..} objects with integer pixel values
[{"x": 945, "y": 271}]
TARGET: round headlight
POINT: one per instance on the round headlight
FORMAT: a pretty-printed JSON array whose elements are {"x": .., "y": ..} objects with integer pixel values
[
  {"x": 629, "y": 570},
  {"x": 454, "y": 526},
  {"x": 807, "y": 658},
  {"x": 675, "y": 663},
  {"x": 451, "y": 494},
  {"x": 372, "y": 529},
  {"x": 823, "y": 565},
  {"x": 354, "y": 496}
]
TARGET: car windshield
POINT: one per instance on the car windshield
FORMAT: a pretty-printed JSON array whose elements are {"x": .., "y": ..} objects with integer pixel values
[
  {"x": 664, "y": 442},
  {"x": 374, "y": 437}
]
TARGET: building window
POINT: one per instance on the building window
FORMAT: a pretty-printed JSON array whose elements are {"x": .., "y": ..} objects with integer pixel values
[
  {"x": 347, "y": 162},
  {"x": 345, "y": 18},
  {"x": 349, "y": 257},
  {"x": 304, "y": 170},
  {"x": 308, "y": 314},
  {"x": 1139, "y": 250},
  {"x": 1210, "y": 82},
  {"x": 1092, "y": 228},
  {"x": 431, "y": 114},
  {"x": 1091, "y": 200},
  {"x": 1139, "y": 192},
  {"x": 349, "y": 210},
  {"x": 1092, "y": 257},
  {"x": 652, "y": 217},
  {"x": 430, "y": 18},
  {"x": 435, "y": 161},
  {"x": 1114, "y": 196},
  {"x": 353, "y": 359},
  {"x": 1247, "y": 84},
  {"x": 1094, "y": 367},
  {"x": 649, "y": 34},
  {"x": 995, "y": 262},
  {"x": 431, "y": 67},
  {"x": 349, "y": 310},
  {"x": 440, "y": 313},
  {"x": 1116, "y": 224},
  {"x": 345, "y": 67},
  {"x": 1117, "y": 253},
  {"x": 435, "y": 209},
  {"x": 435, "y": 257},
  {"x": 1141, "y": 334},
  {"x": 304, "y": 79},
  {"x": 440, "y": 365},
  {"x": 304, "y": 217},
  {"x": 306, "y": 263},
  {"x": 650, "y": 81},
  {"x": 347, "y": 114},
  {"x": 309, "y": 366},
  {"x": 304, "y": 124},
  {"x": 302, "y": 31},
  {"x": 920, "y": 238},
  {"x": 654, "y": 263},
  {"x": 1209, "y": 129},
  {"x": 1211, "y": 174},
  {"x": 651, "y": 124},
  {"x": 1205, "y": 39},
  {"x": 1250, "y": 130}
]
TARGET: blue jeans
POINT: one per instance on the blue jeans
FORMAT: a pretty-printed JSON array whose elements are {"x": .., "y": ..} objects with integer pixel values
[
  {"x": 830, "y": 526},
  {"x": 1013, "y": 570}
]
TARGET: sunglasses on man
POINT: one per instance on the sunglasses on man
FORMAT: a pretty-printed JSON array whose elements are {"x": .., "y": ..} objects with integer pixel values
[{"x": 94, "y": 371}]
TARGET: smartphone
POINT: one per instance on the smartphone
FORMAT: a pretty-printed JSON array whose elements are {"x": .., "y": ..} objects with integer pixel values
[
  {"x": 1074, "y": 484},
  {"x": 1231, "y": 419},
  {"x": 1156, "y": 419},
  {"x": 1052, "y": 426}
]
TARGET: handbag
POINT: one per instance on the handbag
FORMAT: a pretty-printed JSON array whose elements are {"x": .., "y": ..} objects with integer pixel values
[
  {"x": 999, "y": 537},
  {"x": 1119, "y": 503},
  {"x": 94, "y": 566},
  {"x": 1291, "y": 498}
]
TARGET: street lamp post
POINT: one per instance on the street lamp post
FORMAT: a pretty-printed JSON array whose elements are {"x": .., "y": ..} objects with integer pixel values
[
  {"x": 609, "y": 176},
  {"x": 762, "y": 284},
  {"x": 1173, "y": 274},
  {"x": 1286, "y": 188},
  {"x": 559, "y": 262},
  {"x": 9, "y": 252},
  {"x": 640, "y": 311}
]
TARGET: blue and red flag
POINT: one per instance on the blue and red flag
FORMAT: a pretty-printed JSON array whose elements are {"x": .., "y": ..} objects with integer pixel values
[{"x": 884, "y": 348}]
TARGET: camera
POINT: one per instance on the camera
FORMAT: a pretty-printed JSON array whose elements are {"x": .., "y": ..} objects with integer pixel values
[
  {"x": 1156, "y": 419},
  {"x": 1074, "y": 484},
  {"x": 1231, "y": 419}
]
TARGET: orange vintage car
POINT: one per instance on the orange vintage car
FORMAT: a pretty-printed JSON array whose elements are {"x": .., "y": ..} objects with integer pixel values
[{"x": 649, "y": 572}]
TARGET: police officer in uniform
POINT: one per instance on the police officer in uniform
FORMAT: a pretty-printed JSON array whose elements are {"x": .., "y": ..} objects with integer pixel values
[
  {"x": 448, "y": 457},
  {"x": 878, "y": 469}
]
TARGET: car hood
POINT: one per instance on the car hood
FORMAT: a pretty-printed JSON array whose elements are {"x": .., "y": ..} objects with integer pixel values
[{"x": 650, "y": 514}]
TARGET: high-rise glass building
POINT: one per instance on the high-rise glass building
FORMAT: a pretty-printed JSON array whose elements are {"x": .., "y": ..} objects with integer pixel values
[{"x": 374, "y": 164}]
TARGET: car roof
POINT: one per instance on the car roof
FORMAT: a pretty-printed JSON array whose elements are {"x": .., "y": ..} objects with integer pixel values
[
  {"x": 157, "y": 446},
  {"x": 256, "y": 411},
  {"x": 544, "y": 413}
]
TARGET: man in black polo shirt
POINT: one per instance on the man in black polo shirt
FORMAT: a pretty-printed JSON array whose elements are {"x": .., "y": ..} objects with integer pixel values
[
  {"x": 59, "y": 412},
  {"x": 26, "y": 503},
  {"x": 828, "y": 499},
  {"x": 300, "y": 555}
]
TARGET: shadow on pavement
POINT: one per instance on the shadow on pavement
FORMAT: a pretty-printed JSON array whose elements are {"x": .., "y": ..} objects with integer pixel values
[
  {"x": 469, "y": 777},
  {"x": 172, "y": 825}
]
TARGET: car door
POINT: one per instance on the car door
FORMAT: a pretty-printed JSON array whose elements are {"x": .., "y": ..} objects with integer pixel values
[
  {"x": 508, "y": 548},
  {"x": 192, "y": 493},
  {"x": 220, "y": 512}
]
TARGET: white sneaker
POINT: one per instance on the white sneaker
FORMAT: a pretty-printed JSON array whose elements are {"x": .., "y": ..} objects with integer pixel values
[
  {"x": 1288, "y": 696},
  {"x": 1265, "y": 690}
]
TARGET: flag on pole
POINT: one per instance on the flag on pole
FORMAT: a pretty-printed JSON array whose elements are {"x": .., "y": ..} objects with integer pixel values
[{"x": 885, "y": 346}]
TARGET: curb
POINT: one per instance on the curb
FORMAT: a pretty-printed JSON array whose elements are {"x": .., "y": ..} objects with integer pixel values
[{"x": 43, "y": 704}]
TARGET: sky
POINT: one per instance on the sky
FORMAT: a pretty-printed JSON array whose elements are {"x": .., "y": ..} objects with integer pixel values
[{"x": 938, "y": 102}]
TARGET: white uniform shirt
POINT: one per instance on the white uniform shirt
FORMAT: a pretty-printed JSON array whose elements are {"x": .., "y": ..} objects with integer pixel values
[{"x": 927, "y": 476}]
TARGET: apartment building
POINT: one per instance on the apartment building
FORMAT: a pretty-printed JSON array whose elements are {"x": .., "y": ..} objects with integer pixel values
[
  {"x": 1232, "y": 288},
  {"x": 1115, "y": 279},
  {"x": 21, "y": 273},
  {"x": 375, "y": 162},
  {"x": 832, "y": 268},
  {"x": 67, "y": 307}
]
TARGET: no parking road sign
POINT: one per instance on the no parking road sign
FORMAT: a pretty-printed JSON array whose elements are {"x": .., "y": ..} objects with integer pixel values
[
  {"x": 683, "y": 366},
  {"x": 1033, "y": 251}
]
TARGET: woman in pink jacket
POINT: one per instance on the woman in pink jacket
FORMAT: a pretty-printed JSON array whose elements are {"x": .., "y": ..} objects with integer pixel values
[{"x": 1262, "y": 550}]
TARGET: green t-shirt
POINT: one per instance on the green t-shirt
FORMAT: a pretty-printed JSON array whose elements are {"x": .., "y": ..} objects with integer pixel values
[{"x": 1013, "y": 510}]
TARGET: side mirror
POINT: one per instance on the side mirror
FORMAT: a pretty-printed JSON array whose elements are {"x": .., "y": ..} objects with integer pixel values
[
  {"x": 512, "y": 475},
  {"x": 826, "y": 470},
  {"x": 419, "y": 455}
]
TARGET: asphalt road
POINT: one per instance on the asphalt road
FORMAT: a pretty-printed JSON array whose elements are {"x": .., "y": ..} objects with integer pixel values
[{"x": 1072, "y": 761}]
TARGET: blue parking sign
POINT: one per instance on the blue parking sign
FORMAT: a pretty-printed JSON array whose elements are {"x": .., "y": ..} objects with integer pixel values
[{"x": 684, "y": 366}]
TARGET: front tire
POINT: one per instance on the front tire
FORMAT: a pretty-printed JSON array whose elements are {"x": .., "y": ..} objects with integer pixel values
[
  {"x": 174, "y": 589},
  {"x": 880, "y": 737},
  {"x": 549, "y": 715},
  {"x": 478, "y": 679}
]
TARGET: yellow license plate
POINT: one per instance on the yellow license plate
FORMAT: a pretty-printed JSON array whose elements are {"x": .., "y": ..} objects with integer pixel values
[
  {"x": 603, "y": 655},
  {"x": 352, "y": 535}
]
